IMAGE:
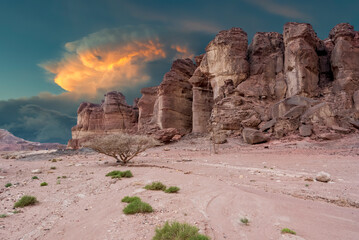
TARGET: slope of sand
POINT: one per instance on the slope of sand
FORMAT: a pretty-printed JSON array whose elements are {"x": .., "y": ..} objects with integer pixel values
[{"x": 270, "y": 184}]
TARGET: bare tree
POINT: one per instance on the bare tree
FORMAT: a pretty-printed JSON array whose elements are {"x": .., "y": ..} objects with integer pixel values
[{"x": 123, "y": 147}]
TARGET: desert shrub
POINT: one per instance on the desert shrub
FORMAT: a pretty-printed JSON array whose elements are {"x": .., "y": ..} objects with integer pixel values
[
  {"x": 245, "y": 221},
  {"x": 178, "y": 231},
  {"x": 119, "y": 174},
  {"x": 136, "y": 206},
  {"x": 172, "y": 189},
  {"x": 287, "y": 230},
  {"x": 43, "y": 184},
  {"x": 52, "y": 168},
  {"x": 123, "y": 147},
  {"x": 156, "y": 186},
  {"x": 64, "y": 177},
  {"x": 3, "y": 215},
  {"x": 128, "y": 199},
  {"x": 26, "y": 200},
  {"x": 8, "y": 185},
  {"x": 35, "y": 177}
]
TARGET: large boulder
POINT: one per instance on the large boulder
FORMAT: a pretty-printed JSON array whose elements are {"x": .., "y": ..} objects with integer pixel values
[
  {"x": 253, "y": 136},
  {"x": 301, "y": 59}
]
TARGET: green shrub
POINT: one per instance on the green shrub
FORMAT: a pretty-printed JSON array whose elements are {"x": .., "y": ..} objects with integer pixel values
[
  {"x": 287, "y": 230},
  {"x": 137, "y": 206},
  {"x": 119, "y": 174},
  {"x": 172, "y": 189},
  {"x": 52, "y": 168},
  {"x": 43, "y": 184},
  {"x": 128, "y": 199},
  {"x": 245, "y": 220},
  {"x": 64, "y": 177},
  {"x": 35, "y": 177},
  {"x": 26, "y": 200},
  {"x": 3, "y": 215},
  {"x": 8, "y": 184},
  {"x": 178, "y": 231},
  {"x": 156, "y": 186}
]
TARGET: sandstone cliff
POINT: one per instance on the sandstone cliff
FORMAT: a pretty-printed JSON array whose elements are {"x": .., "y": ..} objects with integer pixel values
[{"x": 278, "y": 85}]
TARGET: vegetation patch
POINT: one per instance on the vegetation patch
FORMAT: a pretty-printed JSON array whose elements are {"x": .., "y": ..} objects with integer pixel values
[
  {"x": 172, "y": 189},
  {"x": 178, "y": 231},
  {"x": 26, "y": 200},
  {"x": 119, "y": 174},
  {"x": 128, "y": 199},
  {"x": 3, "y": 215},
  {"x": 245, "y": 221},
  {"x": 35, "y": 177},
  {"x": 8, "y": 185},
  {"x": 287, "y": 230},
  {"x": 52, "y": 168},
  {"x": 156, "y": 186},
  {"x": 136, "y": 206},
  {"x": 43, "y": 184}
]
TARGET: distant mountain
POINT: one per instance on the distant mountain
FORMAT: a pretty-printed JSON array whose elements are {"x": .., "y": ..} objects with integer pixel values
[{"x": 9, "y": 142}]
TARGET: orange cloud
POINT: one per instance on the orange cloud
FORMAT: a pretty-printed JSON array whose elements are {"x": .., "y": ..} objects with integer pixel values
[
  {"x": 182, "y": 52},
  {"x": 89, "y": 66}
]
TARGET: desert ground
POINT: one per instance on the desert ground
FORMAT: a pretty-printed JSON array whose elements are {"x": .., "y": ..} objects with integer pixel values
[{"x": 271, "y": 184}]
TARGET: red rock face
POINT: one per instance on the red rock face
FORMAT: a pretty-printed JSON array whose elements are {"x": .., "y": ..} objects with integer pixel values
[
  {"x": 293, "y": 83},
  {"x": 301, "y": 59},
  {"x": 112, "y": 115},
  {"x": 173, "y": 108}
]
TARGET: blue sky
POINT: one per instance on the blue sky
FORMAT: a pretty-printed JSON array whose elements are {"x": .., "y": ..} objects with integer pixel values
[{"x": 44, "y": 40}]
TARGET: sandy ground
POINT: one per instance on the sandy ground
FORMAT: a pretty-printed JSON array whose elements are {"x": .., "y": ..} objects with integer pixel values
[{"x": 270, "y": 184}]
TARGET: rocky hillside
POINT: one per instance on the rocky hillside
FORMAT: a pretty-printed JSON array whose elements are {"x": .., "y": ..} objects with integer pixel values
[
  {"x": 9, "y": 142},
  {"x": 281, "y": 84}
]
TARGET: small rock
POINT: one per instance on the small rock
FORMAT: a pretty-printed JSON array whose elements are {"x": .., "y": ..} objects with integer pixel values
[
  {"x": 2, "y": 177},
  {"x": 305, "y": 130},
  {"x": 323, "y": 177},
  {"x": 36, "y": 171}
]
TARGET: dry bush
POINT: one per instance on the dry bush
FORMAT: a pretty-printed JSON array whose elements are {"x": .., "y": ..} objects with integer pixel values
[{"x": 123, "y": 147}]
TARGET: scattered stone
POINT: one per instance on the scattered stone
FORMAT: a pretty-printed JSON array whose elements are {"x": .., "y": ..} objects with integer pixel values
[
  {"x": 253, "y": 136},
  {"x": 36, "y": 171},
  {"x": 305, "y": 130},
  {"x": 323, "y": 177}
]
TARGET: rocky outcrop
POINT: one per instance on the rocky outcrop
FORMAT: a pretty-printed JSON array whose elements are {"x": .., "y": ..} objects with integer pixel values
[
  {"x": 266, "y": 58},
  {"x": 114, "y": 114},
  {"x": 345, "y": 57},
  {"x": 301, "y": 59},
  {"x": 173, "y": 107},
  {"x": 226, "y": 58},
  {"x": 279, "y": 85},
  {"x": 146, "y": 108}
]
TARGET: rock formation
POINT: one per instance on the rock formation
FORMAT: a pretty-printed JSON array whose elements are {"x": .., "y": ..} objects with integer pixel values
[{"x": 277, "y": 86}]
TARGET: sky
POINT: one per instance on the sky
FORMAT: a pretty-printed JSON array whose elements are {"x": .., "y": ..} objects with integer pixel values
[{"x": 55, "y": 54}]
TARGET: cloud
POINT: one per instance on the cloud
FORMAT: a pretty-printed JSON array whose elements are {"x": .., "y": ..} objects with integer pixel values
[
  {"x": 182, "y": 51},
  {"x": 106, "y": 59},
  {"x": 279, "y": 9},
  {"x": 111, "y": 59},
  {"x": 32, "y": 119}
]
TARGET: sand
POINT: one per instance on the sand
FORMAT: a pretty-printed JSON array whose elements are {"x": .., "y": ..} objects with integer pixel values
[{"x": 273, "y": 185}]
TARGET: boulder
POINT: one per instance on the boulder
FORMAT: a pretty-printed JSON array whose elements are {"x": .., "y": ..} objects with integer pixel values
[
  {"x": 323, "y": 177},
  {"x": 166, "y": 135},
  {"x": 300, "y": 59},
  {"x": 305, "y": 130},
  {"x": 253, "y": 136}
]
